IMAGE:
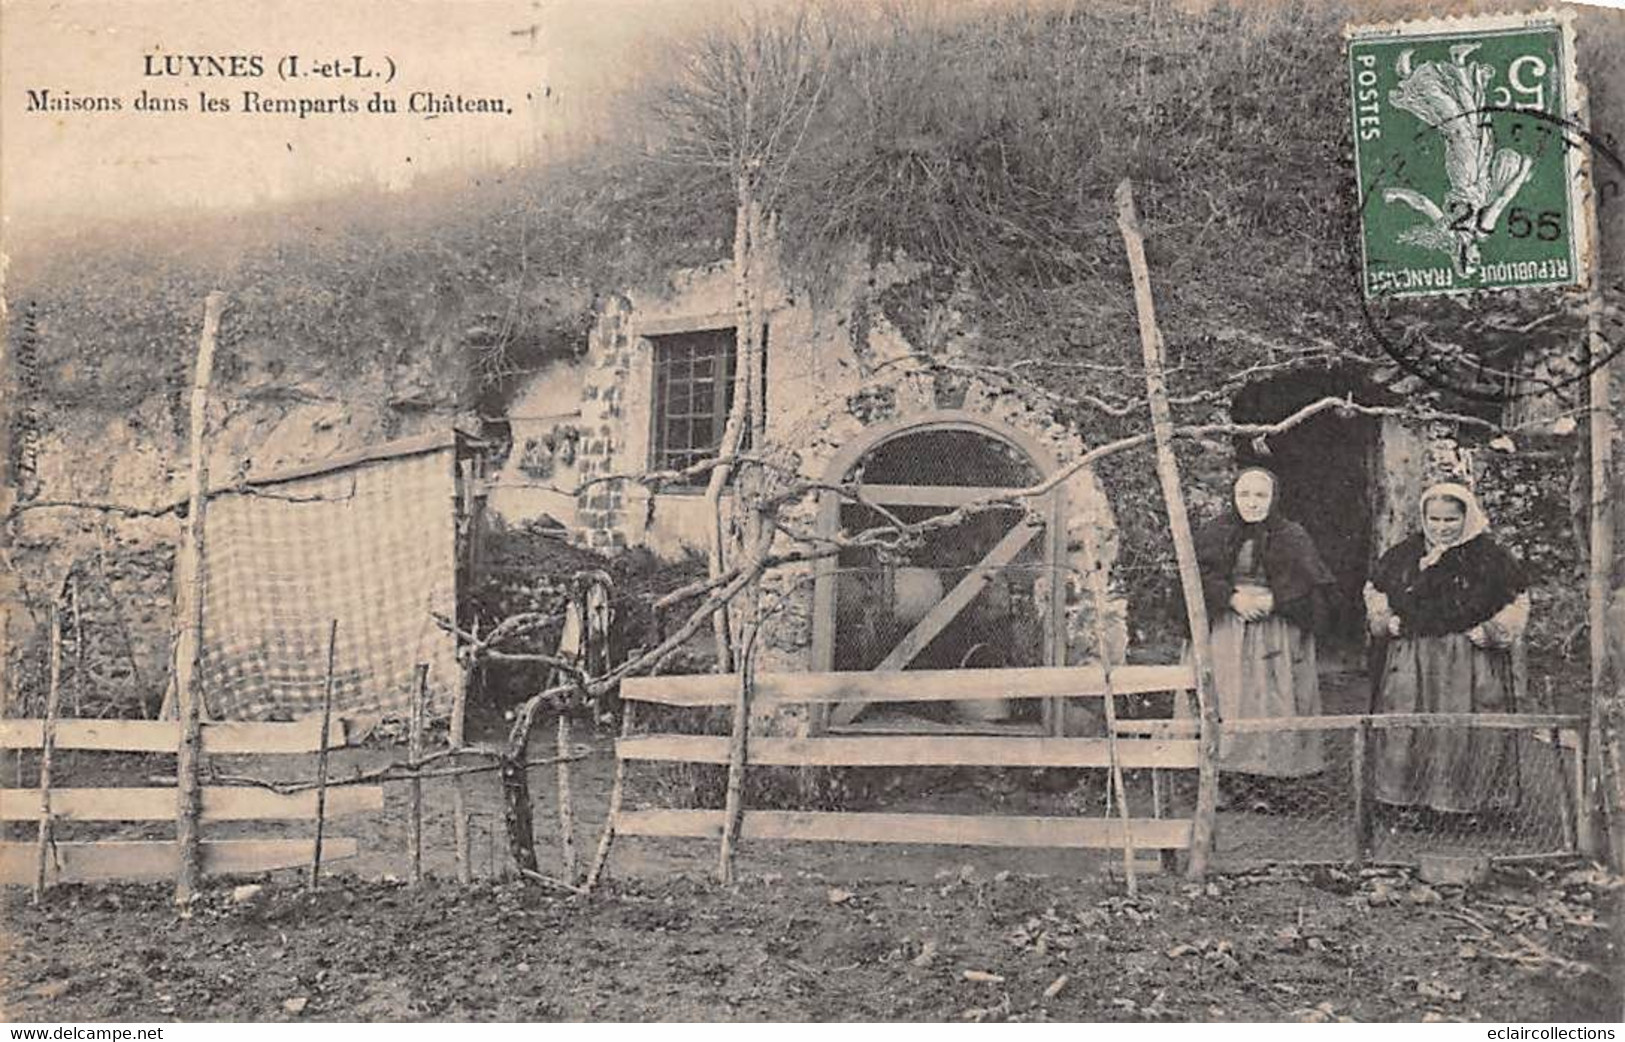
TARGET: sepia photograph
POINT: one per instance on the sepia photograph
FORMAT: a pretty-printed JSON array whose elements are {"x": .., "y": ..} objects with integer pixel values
[{"x": 857, "y": 511}]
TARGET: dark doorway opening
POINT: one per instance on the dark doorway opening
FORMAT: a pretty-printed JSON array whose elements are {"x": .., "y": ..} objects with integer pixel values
[{"x": 1325, "y": 470}]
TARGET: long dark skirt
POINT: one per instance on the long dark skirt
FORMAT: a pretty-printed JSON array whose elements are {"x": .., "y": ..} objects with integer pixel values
[{"x": 1455, "y": 769}]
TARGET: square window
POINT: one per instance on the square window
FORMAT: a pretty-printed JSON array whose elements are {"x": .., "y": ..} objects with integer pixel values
[{"x": 692, "y": 395}]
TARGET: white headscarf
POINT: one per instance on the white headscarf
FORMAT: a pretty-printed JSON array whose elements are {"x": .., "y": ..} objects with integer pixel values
[{"x": 1474, "y": 524}]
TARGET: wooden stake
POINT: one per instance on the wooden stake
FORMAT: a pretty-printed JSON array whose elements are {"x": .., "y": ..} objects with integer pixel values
[
  {"x": 517, "y": 814},
  {"x": 189, "y": 640},
  {"x": 1362, "y": 803},
  {"x": 1179, "y": 523},
  {"x": 733, "y": 805},
  {"x": 1097, "y": 588},
  {"x": 1571, "y": 838},
  {"x": 53, "y": 694},
  {"x": 414, "y": 756},
  {"x": 321, "y": 756},
  {"x": 600, "y": 858},
  {"x": 1602, "y": 754},
  {"x": 1597, "y": 591},
  {"x": 459, "y": 792},
  {"x": 567, "y": 817}
]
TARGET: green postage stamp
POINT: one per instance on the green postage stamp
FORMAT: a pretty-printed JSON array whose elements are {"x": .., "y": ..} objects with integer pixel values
[{"x": 1467, "y": 155}]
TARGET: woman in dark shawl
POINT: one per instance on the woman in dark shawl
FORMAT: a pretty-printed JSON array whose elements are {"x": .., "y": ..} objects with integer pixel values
[
  {"x": 1451, "y": 602},
  {"x": 1265, "y": 587}
]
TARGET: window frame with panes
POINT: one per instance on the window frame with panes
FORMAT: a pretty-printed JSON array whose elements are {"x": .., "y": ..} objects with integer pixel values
[{"x": 693, "y": 379}]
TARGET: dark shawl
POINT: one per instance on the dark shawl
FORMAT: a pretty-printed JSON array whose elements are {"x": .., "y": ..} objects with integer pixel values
[
  {"x": 1468, "y": 585},
  {"x": 1292, "y": 567}
]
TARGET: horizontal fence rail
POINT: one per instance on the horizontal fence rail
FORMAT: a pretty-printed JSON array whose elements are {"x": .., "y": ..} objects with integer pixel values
[
  {"x": 1567, "y": 723},
  {"x": 149, "y": 860},
  {"x": 158, "y": 804},
  {"x": 915, "y": 685},
  {"x": 101, "y": 860},
  {"x": 1389, "y": 721},
  {"x": 951, "y": 829},
  {"x": 163, "y": 736},
  {"x": 910, "y": 751}
]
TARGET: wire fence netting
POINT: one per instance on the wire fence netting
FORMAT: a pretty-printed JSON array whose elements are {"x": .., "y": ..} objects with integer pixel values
[{"x": 1362, "y": 811}]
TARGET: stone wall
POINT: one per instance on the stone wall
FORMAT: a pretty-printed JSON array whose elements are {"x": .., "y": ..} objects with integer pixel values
[
  {"x": 835, "y": 370},
  {"x": 134, "y": 461}
]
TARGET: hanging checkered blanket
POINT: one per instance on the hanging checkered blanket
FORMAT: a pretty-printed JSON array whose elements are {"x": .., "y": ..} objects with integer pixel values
[{"x": 372, "y": 545}]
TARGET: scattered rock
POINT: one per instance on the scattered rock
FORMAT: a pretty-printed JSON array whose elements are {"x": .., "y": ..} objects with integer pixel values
[
  {"x": 246, "y": 893},
  {"x": 54, "y": 990},
  {"x": 1453, "y": 869},
  {"x": 1435, "y": 990},
  {"x": 297, "y": 1005},
  {"x": 1321, "y": 1013},
  {"x": 837, "y": 896},
  {"x": 928, "y": 954}
]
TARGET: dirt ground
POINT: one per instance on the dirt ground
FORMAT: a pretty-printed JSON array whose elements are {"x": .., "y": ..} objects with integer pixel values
[{"x": 1274, "y": 945}]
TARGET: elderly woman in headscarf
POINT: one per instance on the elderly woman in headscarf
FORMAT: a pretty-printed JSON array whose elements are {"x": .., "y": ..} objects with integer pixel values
[
  {"x": 1451, "y": 601},
  {"x": 1265, "y": 587}
]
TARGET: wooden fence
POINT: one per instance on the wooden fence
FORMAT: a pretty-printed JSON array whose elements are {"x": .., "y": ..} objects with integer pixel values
[
  {"x": 894, "y": 750},
  {"x": 140, "y": 860},
  {"x": 1142, "y": 744}
]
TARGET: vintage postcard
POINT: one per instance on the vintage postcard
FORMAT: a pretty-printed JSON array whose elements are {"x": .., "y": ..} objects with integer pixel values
[{"x": 806, "y": 510}]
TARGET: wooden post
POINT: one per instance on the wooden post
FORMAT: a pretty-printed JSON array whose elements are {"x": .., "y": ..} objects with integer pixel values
[
  {"x": 189, "y": 701},
  {"x": 1571, "y": 836},
  {"x": 459, "y": 792},
  {"x": 1597, "y": 591},
  {"x": 1179, "y": 524},
  {"x": 517, "y": 813},
  {"x": 1602, "y": 745},
  {"x": 414, "y": 757},
  {"x": 567, "y": 817},
  {"x": 733, "y": 804},
  {"x": 600, "y": 858},
  {"x": 1359, "y": 769},
  {"x": 53, "y": 696},
  {"x": 1097, "y": 588},
  {"x": 472, "y": 519},
  {"x": 321, "y": 756}
]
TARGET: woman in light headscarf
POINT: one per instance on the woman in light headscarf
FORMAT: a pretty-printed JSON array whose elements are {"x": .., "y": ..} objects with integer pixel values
[
  {"x": 1451, "y": 601},
  {"x": 1265, "y": 587}
]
